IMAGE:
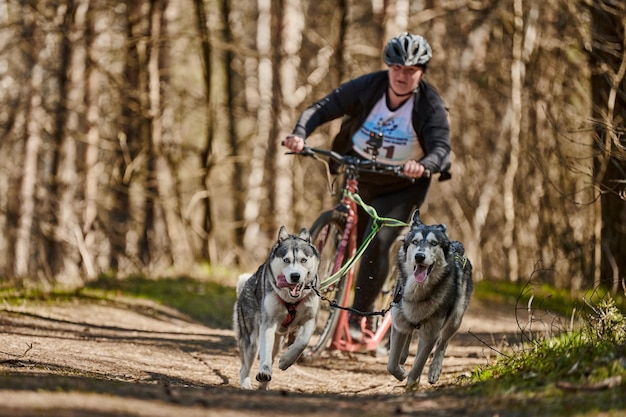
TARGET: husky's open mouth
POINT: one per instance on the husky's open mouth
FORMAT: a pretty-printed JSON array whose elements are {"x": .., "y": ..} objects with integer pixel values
[
  {"x": 294, "y": 289},
  {"x": 421, "y": 272}
]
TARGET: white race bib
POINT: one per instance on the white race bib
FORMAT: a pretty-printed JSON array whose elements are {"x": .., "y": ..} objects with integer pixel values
[{"x": 400, "y": 143}]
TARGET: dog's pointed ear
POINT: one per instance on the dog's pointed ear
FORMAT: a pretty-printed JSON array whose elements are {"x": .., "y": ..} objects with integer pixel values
[
  {"x": 305, "y": 235},
  {"x": 416, "y": 219},
  {"x": 282, "y": 234},
  {"x": 457, "y": 247},
  {"x": 445, "y": 244}
]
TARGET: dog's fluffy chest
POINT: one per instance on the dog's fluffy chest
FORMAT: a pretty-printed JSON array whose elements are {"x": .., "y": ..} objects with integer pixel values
[
  {"x": 289, "y": 315},
  {"x": 419, "y": 302}
]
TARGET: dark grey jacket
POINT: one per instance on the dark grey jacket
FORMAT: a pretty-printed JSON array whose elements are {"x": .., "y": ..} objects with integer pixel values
[{"x": 355, "y": 99}]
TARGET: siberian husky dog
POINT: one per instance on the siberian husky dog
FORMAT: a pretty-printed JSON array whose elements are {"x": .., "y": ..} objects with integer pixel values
[
  {"x": 432, "y": 293},
  {"x": 278, "y": 299}
]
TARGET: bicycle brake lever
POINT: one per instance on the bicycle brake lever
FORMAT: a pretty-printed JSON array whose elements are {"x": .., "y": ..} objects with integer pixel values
[
  {"x": 306, "y": 151},
  {"x": 425, "y": 174}
]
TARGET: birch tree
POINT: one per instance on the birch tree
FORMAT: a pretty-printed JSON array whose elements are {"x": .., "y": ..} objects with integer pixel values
[
  {"x": 93, "y": 166},
  {"x": 35, "y": 135},
  {"x": 290, "y": 42},
  {"x": 256, "y": 177}
]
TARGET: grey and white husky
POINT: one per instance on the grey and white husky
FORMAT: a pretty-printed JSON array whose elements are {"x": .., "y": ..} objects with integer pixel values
[
  {"x": 278, "y": 299},
  {"x": 432, "y": 293}
]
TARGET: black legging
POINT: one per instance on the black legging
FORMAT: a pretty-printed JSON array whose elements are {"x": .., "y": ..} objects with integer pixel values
[{"x": 374, "y": 265}]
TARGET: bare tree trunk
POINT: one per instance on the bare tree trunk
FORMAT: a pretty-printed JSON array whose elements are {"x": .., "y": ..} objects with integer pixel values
[
  {"x": 236, "y": 149},
  {"x": 207, "y": 152},
  {"x": 146, "y": 215},
  {"x": 67, "y": 243},
  {"x": 489, "y": 191},
  {"x": 158, "y": 241},
  {"x": 178, "y": 243},
  {"x": 341, "y": 55},
  {"x": 256, "y": 179},
  {"x": 8, "y": 197},
  {"x": 474, "y": 228},
  {"x": 608, "y": 62},
  {"x": 34, "y": 117},
  {"x": 127, "y": 245},
  {"x": 396, "y": 18},
  {"x": 92, "y": 166},
  {"x": 523, "y": 45},
  {"x": 23, "y": 242},
  {"x": 286, "y": 64},
  {"x": 517, "y": 69}
]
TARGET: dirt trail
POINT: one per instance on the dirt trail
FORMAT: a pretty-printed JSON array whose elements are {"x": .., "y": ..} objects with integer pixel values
[{"x": 128, "y": 357}]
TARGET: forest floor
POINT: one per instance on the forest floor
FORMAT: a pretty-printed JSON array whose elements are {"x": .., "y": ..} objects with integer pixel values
[{"x": 123, "y": 356}]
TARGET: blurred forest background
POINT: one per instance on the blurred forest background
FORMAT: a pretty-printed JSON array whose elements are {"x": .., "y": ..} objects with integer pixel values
[{"x": 142, "y": 137}]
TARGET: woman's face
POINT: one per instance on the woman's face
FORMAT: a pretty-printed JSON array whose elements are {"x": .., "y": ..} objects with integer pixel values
[{"x": 404, "y": 79}]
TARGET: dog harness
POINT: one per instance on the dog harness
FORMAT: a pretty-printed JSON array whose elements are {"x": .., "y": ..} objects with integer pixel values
[
  {"x": 293, "y": 307},
  {"x": 291, "y": 312}
]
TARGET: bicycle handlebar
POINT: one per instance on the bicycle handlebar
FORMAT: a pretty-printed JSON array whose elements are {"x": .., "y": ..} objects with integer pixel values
[{"x": 358, "y": 164}]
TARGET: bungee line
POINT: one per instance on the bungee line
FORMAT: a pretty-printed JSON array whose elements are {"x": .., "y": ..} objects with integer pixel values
[{"x": 376, "y": 225}]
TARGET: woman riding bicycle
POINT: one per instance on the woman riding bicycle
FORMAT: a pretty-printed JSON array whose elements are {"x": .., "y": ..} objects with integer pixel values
[{"x": 408, "y": 113}]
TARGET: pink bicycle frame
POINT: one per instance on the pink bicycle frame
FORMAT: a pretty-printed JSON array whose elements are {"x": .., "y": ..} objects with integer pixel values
[{"x": 341, "y": 337}]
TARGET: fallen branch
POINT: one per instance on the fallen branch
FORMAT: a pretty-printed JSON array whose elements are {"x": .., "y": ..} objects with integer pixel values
[
  {"x": 607, "y": 383},
  {"x": 487, "y": 344},
  {"x": 15, "y": 357}
]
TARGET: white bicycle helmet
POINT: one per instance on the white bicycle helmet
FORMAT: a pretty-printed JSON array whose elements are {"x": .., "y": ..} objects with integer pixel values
[{"x": 407, "y": 49}]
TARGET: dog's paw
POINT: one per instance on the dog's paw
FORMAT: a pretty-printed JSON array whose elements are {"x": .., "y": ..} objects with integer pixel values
[
  {"x": 412, "y": 386},
  {"x": 435, "y": 369},
  {"x": 286, "y": 361},
  {"x": 246, "y": 384},
  {"x": 397, "y": 371},
  {"x": 284, "y": 364},
  {"x": 433, "y": 375},
  {"x": 263, "y": 377}
]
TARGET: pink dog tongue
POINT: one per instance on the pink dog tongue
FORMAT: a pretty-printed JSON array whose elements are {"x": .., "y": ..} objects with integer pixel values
[
  {"x": 420, "y": 273},
  {"x": 281, "y": 282}
]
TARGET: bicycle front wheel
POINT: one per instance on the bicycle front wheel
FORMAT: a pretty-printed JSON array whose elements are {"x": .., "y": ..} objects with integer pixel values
[{"x": 326, "y": 234}]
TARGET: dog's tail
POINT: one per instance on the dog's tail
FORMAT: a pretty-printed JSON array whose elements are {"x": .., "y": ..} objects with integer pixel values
[{"x": 241, "y": 282}]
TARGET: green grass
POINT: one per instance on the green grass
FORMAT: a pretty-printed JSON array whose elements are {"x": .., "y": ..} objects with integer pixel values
[
  {"x": 580, "y": 372},
  {"x": 15, "y": 296},
  {"x": 207, "y": 302},
  {"x": 543, "y": 296}
]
